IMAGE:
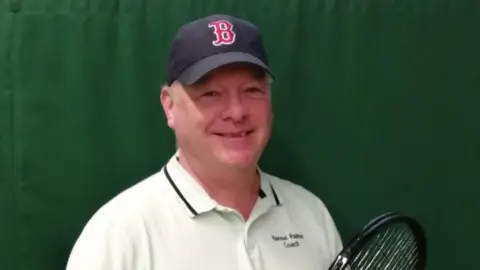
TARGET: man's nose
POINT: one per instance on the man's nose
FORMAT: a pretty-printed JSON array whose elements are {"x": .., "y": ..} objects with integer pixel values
[{"x": 235, "y": 109}]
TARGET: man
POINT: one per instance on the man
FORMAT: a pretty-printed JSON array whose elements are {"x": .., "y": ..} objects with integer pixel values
[{"x": 211, "y": 206}]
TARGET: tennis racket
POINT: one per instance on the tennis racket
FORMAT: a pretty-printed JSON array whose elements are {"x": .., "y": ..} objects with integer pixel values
[{"x": 391, "y": 241}]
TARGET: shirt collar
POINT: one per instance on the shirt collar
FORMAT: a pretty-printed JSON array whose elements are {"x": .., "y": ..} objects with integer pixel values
[{"x": 196, "y": 200}]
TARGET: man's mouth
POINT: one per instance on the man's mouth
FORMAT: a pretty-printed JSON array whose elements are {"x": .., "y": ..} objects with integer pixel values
[{"x": 240, "y": 134}]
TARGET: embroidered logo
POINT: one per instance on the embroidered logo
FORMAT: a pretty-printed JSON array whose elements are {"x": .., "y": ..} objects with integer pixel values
[
  {"x": 289, "y": 240},
  {"x": 223, "y": 31}
]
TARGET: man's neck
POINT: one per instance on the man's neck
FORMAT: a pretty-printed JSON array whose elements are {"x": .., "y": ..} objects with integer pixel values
[{"x": 230, "y": 187}]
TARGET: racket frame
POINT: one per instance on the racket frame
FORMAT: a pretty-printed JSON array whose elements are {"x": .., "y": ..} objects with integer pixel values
[{"x": 371, "y": 228}]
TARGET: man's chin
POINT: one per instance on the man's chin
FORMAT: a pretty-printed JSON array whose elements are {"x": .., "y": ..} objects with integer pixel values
[{"x": 239, "y": 159}]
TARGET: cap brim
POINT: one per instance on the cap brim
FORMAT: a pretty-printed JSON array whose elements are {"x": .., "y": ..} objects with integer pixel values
[{"x": 206, "y": 65}]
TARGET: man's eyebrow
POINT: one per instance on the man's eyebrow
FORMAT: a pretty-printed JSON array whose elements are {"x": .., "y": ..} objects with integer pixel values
[{"x": 194, "y": 89}]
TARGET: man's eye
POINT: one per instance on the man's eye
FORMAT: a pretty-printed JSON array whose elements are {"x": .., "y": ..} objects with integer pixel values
[
  {"x": 253, "y": 90},
  {"x": 210, "y": 94}
]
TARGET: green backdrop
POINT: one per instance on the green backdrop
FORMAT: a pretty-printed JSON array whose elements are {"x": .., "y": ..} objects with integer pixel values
[{"x": 376, "y": 109}]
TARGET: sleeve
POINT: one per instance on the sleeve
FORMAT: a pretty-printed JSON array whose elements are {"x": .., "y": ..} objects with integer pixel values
[
  {"x": 334, "y": 238},
  {"x": 102, "y": 245},
  {"x": 330, "y": 232}
]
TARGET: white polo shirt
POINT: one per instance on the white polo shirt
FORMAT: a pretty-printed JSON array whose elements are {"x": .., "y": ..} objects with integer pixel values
[{"x": 168, "y": 222}]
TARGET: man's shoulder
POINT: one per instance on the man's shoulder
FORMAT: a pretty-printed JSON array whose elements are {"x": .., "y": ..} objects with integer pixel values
[
  {"x": 132, "y": 202},
  {"x": 114, "y": 228}
]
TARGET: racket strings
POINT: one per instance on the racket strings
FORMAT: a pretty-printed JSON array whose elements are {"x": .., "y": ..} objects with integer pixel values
[
  {"x": 371, "y": 252},
  {"x": 390, "y": 256},
  {"x": 392, "y": 249}
]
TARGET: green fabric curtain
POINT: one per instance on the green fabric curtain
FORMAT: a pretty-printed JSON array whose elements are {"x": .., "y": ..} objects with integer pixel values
[{"x": 376, "y": 109}]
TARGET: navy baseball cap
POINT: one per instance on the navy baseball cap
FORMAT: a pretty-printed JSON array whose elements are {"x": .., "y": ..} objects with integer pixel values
[{"x": 207, "y": 43}]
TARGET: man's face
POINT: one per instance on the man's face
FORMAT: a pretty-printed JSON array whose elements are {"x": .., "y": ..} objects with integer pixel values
[{"x": 224, "y": 119}]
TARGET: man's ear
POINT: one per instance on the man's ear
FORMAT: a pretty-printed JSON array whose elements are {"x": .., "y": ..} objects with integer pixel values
[{"x": 167, "y": 104}]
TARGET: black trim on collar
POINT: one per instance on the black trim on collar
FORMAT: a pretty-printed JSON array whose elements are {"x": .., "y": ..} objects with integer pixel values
[
  {"x": 261, "y": 194},
  {"x": 178, "y": 191},
  {"x": 277, "y": 202}
]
